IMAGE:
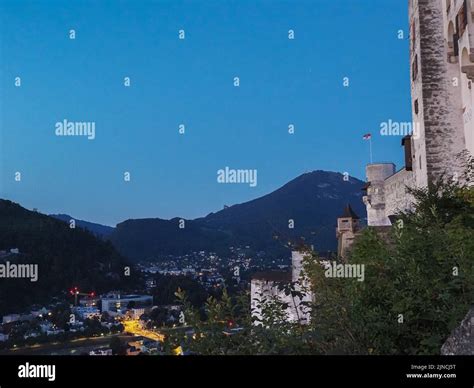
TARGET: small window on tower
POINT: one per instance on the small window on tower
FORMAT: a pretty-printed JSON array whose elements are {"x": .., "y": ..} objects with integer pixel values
[
  {"x": 414, "y": 68},
  {"x": 461, "y": 19},
  {"x": 417, "y": 108},
  {"x": 413, "y": 35}
]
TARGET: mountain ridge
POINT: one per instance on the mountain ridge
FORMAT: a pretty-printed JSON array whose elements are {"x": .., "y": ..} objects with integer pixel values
[
  {"x": 311, "y": 201},
  {"x": 97, "y": 229},
  {"x": 259, "y": 223}
]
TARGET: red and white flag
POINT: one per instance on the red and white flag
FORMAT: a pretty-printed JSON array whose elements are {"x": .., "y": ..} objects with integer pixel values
[{"x": 367, "y": 136}]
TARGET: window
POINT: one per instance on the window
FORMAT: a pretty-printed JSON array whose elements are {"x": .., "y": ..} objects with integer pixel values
[
  {"x": 406, "y": 143},
  {"x": 453, "y": 40},
  {"x": 414, "y": 68},
  {"x": 461, "y": 19},
  {"x": 416, "y": 106},
  {"x": 413, "y": 35}
]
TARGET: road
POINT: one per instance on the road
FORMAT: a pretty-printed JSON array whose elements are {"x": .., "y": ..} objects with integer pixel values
[
  {"x": 72, "y": 347},
  {"x": 134, "y": 327}
]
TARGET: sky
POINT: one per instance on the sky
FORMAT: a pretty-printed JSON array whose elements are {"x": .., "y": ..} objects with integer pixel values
[{"x": 191, "y": 81}]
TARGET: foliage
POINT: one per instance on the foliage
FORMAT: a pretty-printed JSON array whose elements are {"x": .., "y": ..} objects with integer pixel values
[
  {"x": 66, "y": 257},
  {"x": 118, "y": 346},
  {"x": 419, "y": 280},
  {"x": 419, "y": 283}
]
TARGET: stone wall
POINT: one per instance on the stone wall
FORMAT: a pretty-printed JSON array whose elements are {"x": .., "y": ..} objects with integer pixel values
[
  {"x": 461, "y": 340},
  {"x": 375, "y": 201},
  {"x": 396, "y": 195},
  {"x": 443, "y": 123}
]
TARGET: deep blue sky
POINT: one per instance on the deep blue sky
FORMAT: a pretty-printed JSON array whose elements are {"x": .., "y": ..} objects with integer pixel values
[{"x": 191, "y": 81}]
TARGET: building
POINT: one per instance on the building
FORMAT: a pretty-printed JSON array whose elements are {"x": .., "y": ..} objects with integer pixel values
[
  {"x": 11, "y": 318},
  {"x": 87, "y": 312},
  {"x": 118, "y": 304},
  {"x": 42, "y": 312},
  {"x": 136, "y": 313},
  {"x": 268, "y": 286},
  {"x": 89, "y": 301},
  {"x": 134, "y": 348},
  {"x": 347, "y": 227},
  {"x": 442, "y": 136},
  {"x": 101, "y": 352},
  {"x": 263, "y": 287}
]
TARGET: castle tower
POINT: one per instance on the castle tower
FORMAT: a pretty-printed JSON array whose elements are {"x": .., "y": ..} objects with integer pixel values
[
  {"x": 442, "y": 91},
  {"x": 436, "y": 86},
  {"x": 374, "y": 200},
  {"x": 347, "y": 226}
]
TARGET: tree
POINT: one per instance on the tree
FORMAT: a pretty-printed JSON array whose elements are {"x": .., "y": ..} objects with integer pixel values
[
  {"x": 418, "y": 280},
  {"x": 118, "y": 346},
  {"x": 419, "y": 283}
]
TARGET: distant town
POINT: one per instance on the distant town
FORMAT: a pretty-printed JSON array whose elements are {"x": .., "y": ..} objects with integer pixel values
[{"x": 81, "y": 322}]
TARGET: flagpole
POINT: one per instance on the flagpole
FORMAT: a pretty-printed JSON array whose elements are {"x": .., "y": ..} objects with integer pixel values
[{"x": 370, "y": 147}]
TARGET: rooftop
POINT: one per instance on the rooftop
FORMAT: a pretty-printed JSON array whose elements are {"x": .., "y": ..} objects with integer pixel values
[
  {"x": 349, "y": 213},
  {"x": 274, "y": 276}
]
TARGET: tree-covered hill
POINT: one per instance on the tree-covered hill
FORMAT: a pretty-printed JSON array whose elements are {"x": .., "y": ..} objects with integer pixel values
[{"x": 66, "y": 257}]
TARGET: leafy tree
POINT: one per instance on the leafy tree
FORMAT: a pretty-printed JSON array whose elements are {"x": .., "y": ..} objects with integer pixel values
[
  {"x": 118, "y": 346},
  {"x": 166, "y": 286},
  {"x": 419, "y": 280}
]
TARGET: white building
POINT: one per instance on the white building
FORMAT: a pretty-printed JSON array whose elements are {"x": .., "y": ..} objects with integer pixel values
[
  {"x": 268, "y": 286},
  {"x": 101, "y": 352},
  {"x": 87, "y": 312},
  {"x": 118, "y": 304},
  {"x": 136, "y": 313},
  {"x": 11, "y": 318}
]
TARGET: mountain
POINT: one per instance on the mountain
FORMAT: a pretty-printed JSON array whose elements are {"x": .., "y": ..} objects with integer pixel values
[
  {"x": 65, "y": 257},
  {"x": 313, "y": 201},
  {"x": 98, "y": 230}
]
